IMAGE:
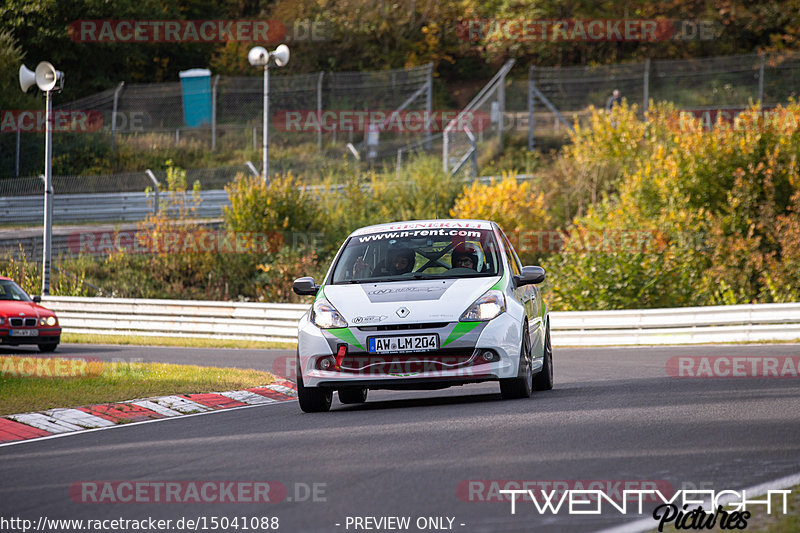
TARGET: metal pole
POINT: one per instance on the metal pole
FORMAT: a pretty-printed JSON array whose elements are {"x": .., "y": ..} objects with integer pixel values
[
  {"x": 761, "y": 82},
  {"x": 214, "y": 114},
  {"x": 501, "y": 104},
  {"x": 646, "y": 103},
  {"x": 154, "y": 181},
  {"x": 48, "y": 194},
  {"x": 429, "y": 108},
  {"x": 530, "y": 109},
  {"x": 319, "y": 111},
  {"x": 114, "y": 112},
  {"x": 18, "y": 145},
  {"x": 265, "y": 163}
]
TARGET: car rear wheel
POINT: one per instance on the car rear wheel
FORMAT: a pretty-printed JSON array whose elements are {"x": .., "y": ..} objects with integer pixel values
[
  {"x": 544, "y": 379},
  {"x": 313, "y": 399},
  {"x": 48, "y": 347},
  {"x": 522, "y": 385},
  {"x": 353, "y": 395}
]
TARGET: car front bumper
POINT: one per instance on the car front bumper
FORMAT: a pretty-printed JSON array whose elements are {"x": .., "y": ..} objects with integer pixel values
[{"x": 458, "y": 359}]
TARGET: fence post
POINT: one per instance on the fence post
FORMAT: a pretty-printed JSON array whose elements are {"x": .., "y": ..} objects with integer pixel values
[
  {"x": 530, "y": 108},
  {"x": 501, "y": 111},
  {"x": 646, "y": 103},
  {"x": 429, "y": 107},
  {"x": 114, "y": 112},
  {"x": 319, "y": 111},
  {"x": 18, "y": 145},
  {"x": 214, "y": 114},
  {"x": 761, "y": 81},
  {"x": 153, "y": 179}
]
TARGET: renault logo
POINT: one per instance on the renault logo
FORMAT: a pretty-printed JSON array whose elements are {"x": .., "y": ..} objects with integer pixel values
[{"x": 402, "y": 312}]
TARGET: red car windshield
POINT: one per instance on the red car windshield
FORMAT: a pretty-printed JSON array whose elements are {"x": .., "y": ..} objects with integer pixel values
[{"x": 11, "y": 291}]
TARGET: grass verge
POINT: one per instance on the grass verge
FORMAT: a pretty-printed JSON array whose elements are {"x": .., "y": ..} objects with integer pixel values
[
  {"x": 186, "y": 342},
  {"x": 35, "y": 383}
]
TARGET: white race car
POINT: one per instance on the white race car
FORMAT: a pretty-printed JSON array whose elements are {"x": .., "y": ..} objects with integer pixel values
[{"x": 423, "y": 305}]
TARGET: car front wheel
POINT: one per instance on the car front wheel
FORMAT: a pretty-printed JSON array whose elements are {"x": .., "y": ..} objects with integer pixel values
[
  {"x": 313, "y": 399},
  {"x": 522, "y": 385},
  {"x": 48, "y": 347}
]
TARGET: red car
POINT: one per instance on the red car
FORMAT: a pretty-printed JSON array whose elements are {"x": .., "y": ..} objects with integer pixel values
[{"x": 24, "y": 321}]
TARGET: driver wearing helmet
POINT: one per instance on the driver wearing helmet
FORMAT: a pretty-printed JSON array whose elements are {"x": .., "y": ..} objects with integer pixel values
[
  {"x": 464, "y": 258},
  {"x": 401, "y": 261}
]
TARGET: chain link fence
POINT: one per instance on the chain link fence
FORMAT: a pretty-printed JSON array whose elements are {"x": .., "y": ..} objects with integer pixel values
[
  {"x": 560, "y": 95},
  {"x": 322, "y": 111}
]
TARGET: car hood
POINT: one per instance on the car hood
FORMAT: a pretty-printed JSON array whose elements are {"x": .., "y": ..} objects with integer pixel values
[
  {"x": 424, "y": 300},
  {"x": 13, "y": 308}
]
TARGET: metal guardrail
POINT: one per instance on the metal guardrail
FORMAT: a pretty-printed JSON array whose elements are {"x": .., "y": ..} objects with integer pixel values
[
  {"x": 104, "y": 207},
  {"x": 177, "y": 318},
  {"x": 278, "y": 322}
]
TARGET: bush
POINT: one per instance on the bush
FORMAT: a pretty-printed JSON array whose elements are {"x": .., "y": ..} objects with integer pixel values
[
  {"x": 516, "y": 206},
  {"x": 721, "y": 207}
]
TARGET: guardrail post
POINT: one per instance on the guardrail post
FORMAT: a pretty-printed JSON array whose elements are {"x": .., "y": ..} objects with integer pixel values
[
  {"x": 761, "y": 81},
  {"x": 153, "y": 179}
]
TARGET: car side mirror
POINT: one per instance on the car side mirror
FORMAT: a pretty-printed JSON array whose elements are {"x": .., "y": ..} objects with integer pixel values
[
  {"x": 37, "y": 299},
  {"x": 305, "y": 286},
  {"x": 531, "y": 275}
]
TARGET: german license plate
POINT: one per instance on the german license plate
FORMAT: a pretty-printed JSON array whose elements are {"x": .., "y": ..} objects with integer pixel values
[
  {"x": 24, "y": 333},
  {"x": 406, "y": 343}
]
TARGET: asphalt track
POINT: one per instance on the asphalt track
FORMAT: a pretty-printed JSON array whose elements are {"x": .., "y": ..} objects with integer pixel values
[{"x": 614, "y": 415}]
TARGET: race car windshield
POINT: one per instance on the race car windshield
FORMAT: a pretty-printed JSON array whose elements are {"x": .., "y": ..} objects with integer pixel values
[
  {"x": 419, "y": 254},
  {"x": 11, "y": 291}
]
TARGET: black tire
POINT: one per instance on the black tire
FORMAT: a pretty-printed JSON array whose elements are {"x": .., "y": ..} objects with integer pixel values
[
  {"x": 544, "y": 379},
  {"x": 522, "y": 385},
  {"x": 313, "y": 399},
  {"x": 48, "y": 347},
  {"x": 353, "y": 395}
]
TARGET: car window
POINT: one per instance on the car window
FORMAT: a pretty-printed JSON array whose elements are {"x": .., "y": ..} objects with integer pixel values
[
  {"x": 418, "y": 254},
  {"x": 11, "y": 291},
  {"x": 516, "y": 266}
]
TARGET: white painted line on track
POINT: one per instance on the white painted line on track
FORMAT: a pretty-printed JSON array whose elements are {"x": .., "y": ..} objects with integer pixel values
[{"x": 649, "y": 523}]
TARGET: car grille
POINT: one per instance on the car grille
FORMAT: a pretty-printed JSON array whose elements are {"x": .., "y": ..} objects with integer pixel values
[
  {"x": 20, "y": 322},
  {"x": 411, "y": 363},
  {"x": 397, "y": 327}
]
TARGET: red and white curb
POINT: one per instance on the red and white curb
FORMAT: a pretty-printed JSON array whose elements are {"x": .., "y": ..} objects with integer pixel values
[{"x": 57, "y": 421}]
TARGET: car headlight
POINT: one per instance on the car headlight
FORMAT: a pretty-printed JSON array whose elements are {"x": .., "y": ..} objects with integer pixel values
[
  {"x": 51, "y": 321},
  {"x": 325, "y": 315},
  {"x": 487, "y": 307},
  {"x": 2, "y": 320}
]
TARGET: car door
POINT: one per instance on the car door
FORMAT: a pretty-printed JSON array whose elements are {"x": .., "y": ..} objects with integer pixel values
[{"x": 528, "y": 295}]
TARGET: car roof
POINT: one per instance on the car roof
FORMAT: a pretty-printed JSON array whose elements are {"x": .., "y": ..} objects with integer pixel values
[{"x": 425, "y": 224}]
